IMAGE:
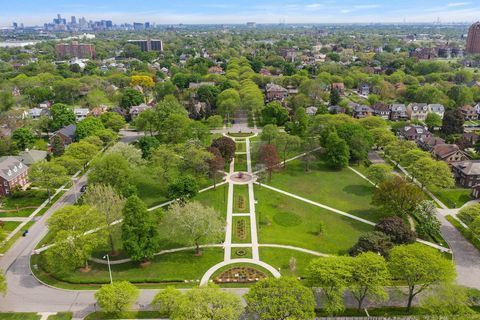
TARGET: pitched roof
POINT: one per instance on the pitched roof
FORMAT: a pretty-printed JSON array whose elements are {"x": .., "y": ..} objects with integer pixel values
[
  {"x": 469, "y": 167},
  {"x": 444, "y": 150},
  {"x": 30, "y": 157},
  {"x": 11, "y": 167},
  {"x": 432, "y": 141},
  {"x": 397, "y": 107},
  {"x": 275, "y": 87},
  {"x": 68, "y": 131}
]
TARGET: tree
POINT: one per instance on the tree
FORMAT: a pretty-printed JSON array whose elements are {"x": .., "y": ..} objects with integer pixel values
[
  {"x": 396, "y": 196},
  {"x": 334, "y": 97},
  {"x": 6, "y": 101},
  {"x": 112, "y": 120},
  {"x": 337, "y": 153},
  {"x": 269, "y": 133},
  {"x": 61, "y": 116},
  {"x": 89, "y": 126},
  {"x": 139, "y": 230},
  {"x": 70, "y": 164},
  {"x": 433, "y": 121},
  {"x": 163, "y": 89},
  {"x": 286, "y": 143},
  {"x": 128, "y": 152},
  {"x": 165, "y": 301},
  {"x": 117, "y": 297},
  {"x": 447, "y": 301},
  {"x": 452, "y": 122},
  {"x": 283, "y": 298},
  {"x": 113, "y": 170},
  {"x": 333, "y": 276},
  {"x": 131, "y": 97},
  {"x": 426, "y": 213},
  {"x": 226, "y": 146},
  {"x": 194, "y": 224},
  {"x": 195, "y": 160},
  {"x": 269, "y": 158},
  {"x": 109, "y": 204},
  {"x": 147, "y": 145},
  {"x": 469, "y": 213},
  {"x": 48, "y": 175},
  {"x": 166, "y": 162},
  {"x": 370, "y": 276},
  {"x": 379, "y": 172},
  {"x": 23, "y": 138},
  {"x": 216, "y": 165},
  {"x": 82, "y": 151},
  {"x": 274, "y": 113},
  {"x": 184, "y": 187},
  {"x": 58, "y": 148},
  {"x": 377, "y": 242},
  {"x": 145, "y": 82},
  {"x": 207, "y": 303},
  {"x": 420, "y": 267},
  {"x": 382, "y": 137},
  {"x": 215, "y": 122},
  {"x": 74, "y": 245},
  {"x": 395, "y": 228},
  {"x": 228, "y": 101}
]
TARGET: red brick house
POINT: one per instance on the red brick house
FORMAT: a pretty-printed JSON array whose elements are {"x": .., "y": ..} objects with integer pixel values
[
  {"x": 66, "y": 134},
  {"x": 275, "y": 92},
  {"x": 13, "y": 173}
]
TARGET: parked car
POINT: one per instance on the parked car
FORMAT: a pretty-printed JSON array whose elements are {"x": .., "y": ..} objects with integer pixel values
[{"x": 83, "y": 188}]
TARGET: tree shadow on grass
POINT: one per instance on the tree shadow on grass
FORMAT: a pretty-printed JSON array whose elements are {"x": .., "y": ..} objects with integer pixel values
[{"x": 358, "y": 190}]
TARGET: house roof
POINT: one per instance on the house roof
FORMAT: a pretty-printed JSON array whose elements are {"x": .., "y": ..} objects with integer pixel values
[
  {"x": 272, "y": 87},
  {"x": 444, "y": 150},
  {"x": 433, "y": 141},
  {"x": 30, "y": 157},
  {"x": 413, "y": 130},
  {"x": 469, "y": 167},
  {"x": 396, "y": 107},
  {"x": 362, "y": 108},
  {"x": 68, "y": 131},
  {"x": 437, "y": 108},
  {"x": 11, "y": 168},
  {"x": 418, "y": 106},
  {"x": 311, "y": 110},
  {"x": 380, "y": 106}
]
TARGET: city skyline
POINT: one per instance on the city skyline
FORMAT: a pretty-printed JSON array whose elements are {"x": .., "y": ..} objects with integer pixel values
[{"x": 32, "y": 12}]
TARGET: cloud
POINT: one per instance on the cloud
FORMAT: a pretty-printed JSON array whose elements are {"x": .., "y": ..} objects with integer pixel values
[
  {"x": 367, "y": 6},
  {"x": 458, "y": 4},
  {"x": 314, "y": 6}
]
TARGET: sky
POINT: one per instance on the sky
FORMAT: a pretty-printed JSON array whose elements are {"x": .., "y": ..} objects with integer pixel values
[{"x": 31, "y": 12}]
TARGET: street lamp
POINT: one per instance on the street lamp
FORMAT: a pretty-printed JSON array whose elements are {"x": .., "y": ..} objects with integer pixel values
[{"x": 109, "y": 269}]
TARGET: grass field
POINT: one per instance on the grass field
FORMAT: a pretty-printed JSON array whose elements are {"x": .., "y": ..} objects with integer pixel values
[
  {"x": 453, "y": 198},
  {"x": 241, "y": 162},
  {"x": 148, "y": 187},
  {"x": 343, "y": 189},
  {"x": 169, "y": 268},
  {"x": 216, "y": 198},
  {"x": 19, "y": 316},
  {"x": 241, "y": 147},
  {"x": 240, "y": 199},
  {"x": 280, "y": 259},
  {"x": 285, "y": 220}
]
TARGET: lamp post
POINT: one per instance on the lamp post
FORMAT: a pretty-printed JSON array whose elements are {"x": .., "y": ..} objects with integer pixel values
[{"x": 109, "y": 269}]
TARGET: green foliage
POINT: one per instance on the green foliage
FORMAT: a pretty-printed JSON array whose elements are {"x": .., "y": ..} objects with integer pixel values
[
  {"x": 274, "y": 113},
  {"x": 48, "y": 175},
  {"x": 3, "y": 283},
  {"x": 269, "y": 133},
  {"x": 114, "y": 170},
  {"x": 469, "y": 213},
  {"x": 139, "y": 230},
  {"x": 89, "y": 126},
  {"x": 23, "y": 138},
  {"x": 228, "y": 102},
  {"x": 131, "y": 97},
  {"x": 61, "y": 116},
  {"x": 117, "y": 297},
  {"x": 433, "y": 120},
  {"x": 429, "y": 225},
  {"x": 165, "y": 301},
  {"x": 283, "y": 298},
  {"x": 184, "y": 187},
  {"x": 377, "y": 242},
  {"x": 445, "y": 301},
  {"x": 379, "y": 172},
  {"x": 420, "y": 267},
  {"x": 337, "y": 153},
  {"x": 452, "y": 122},
  {"x": 113, "y": 120},
  {"x": 226, "y": 146},
  {"x": 395, "y": 228},
  {"x": 147, "y": 145}
]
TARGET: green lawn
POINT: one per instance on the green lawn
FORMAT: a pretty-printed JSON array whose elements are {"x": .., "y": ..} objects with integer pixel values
[
  {"x": 285, "y": 220},
  {"x": 9, "y": 226},
  {"x": 61, "y": 316},
  {"x": 453, "y": 198},
  {"x": 238, "y": 254},
  {"x": 340, "y": 189},
  {"x": 241, "y": 146},
  {"x": 19, "y": 316},
  {"x": 149, "y": 189},
  {"x": 240, "y": 134},
  {"x": 241, "y": 230},
  {"x": 126, "y": 315},
  {"x": 280, "y": 259},
  {"x": 169, "y": 268},
  {"x": 240, "y": 199},
  {"x": 28, "y": 198},
  {"x": 216, "y": 198},
  {"x": 241, "y": 162}
]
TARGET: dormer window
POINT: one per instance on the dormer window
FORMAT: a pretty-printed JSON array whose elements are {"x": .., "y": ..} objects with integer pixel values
[
  {"x": 9, "y": 172},
  {"x": 15, "y": 169},
  {"x": 20, "y": 165}
]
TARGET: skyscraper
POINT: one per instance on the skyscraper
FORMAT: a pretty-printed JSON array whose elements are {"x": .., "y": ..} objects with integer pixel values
[{"x": 473, "y": 39}]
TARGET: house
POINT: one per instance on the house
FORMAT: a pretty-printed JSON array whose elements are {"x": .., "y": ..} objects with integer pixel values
[
  {"x": 36, "y": 113},
  {"x": 476, "y": 191},
  {"x": 362, "y": 111},
  {"x": 477, "y": 108},
  {"x": 98, "y": 111},
  {"x": 136, "y": 110},
  {"x": 340, "y": 87},
  {"x": 336, "y": 109},
  {"x": 398, "y": 112},
  {"x": 29, "y": 157},
  {"x": 436, "y": 108},
  {"x": 44, "y": 105},
  {"x": 380, "y": 109},
  {"x": 311, "y": 111},
  {"x": 196, "y": 85},
  {"x": 414, "y": 133},
  {"x": 66, "y": 134},
  {"x": 431, "y": 142},
  {"x": 467, "y": 173},
  {"x": 469, "y": 113},
  {"x": 216, "y": 70},
  {"x": 275, "y": 92},
  {"x": 449, "y": 153},
  {"x": 81, "y": 113},
  {"x": 364, "y": 89},
  {"x": 13, "y": 174},
  {"x": 417, "y": 111},
  {"x": 265, "y": 72}
]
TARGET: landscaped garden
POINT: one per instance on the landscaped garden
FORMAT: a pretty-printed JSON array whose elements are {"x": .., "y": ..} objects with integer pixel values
[
  {"x": 240, "y": 199},
  {"x": 241, "y": 230}
]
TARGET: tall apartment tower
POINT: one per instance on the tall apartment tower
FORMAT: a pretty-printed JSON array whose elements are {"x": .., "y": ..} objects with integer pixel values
[{"x": 473, "y": 39}]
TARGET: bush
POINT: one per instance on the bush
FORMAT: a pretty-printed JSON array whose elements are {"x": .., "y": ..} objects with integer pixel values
[
  {"x": 375, "y": 241},
  {"x": 395, "y": 228}
]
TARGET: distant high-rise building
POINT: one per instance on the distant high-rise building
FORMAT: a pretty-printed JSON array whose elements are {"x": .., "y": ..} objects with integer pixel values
[
  {"x": 148, "y": 45},
  {"x": 473, "y": 39},
  {"x": 147, "y": 25},
  {"x": 252, "y": 25},
  {"x": 15, "y": 25},
  {"x": 75, "y": 50},
  {"x": 138, "y": 26},
  {"x": 73, "y": 20}
]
